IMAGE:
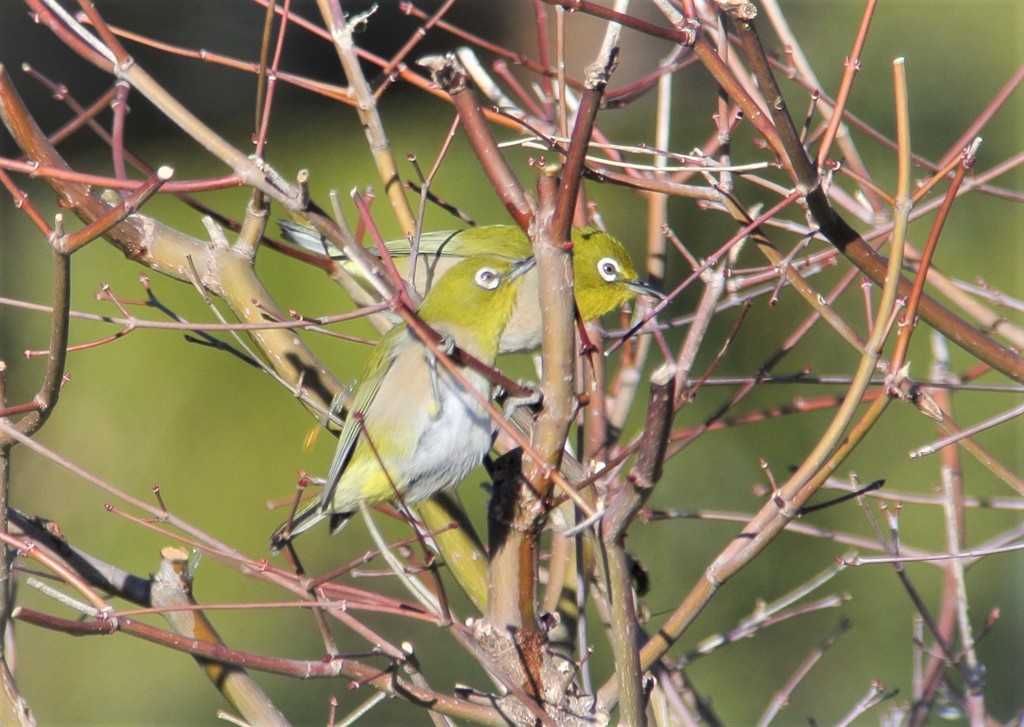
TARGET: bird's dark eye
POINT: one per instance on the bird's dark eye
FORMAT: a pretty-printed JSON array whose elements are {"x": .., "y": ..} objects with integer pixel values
[
  {"x": 608, "y": 268},
  {"x": 487, "y": 278}
]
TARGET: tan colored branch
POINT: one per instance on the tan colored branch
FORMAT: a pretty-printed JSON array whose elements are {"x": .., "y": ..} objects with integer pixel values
[
  {"x": 172, "y": 590},
  {"x": 366, "y": 106}
]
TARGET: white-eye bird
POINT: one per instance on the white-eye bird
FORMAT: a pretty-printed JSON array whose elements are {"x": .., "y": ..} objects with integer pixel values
[
  {"x": 413, "y": 429},
  {"x": 605, "y": 275}
]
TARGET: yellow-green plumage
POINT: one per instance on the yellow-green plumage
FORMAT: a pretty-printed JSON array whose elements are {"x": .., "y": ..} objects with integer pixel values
[
  {"x": 605, "y": 275},
  {"x": 413, "y": 428}
]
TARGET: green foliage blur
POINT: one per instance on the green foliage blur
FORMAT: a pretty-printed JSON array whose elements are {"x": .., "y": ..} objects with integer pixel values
[{"x": 221, "y": 439}]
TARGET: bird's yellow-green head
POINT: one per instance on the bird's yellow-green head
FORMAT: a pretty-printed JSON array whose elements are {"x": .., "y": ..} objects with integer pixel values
[
  {"x": 605, "y": 275},
  {"x": 474, "y": 300}
]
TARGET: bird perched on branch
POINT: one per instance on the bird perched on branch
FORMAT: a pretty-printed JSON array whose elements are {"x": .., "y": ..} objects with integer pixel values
[
  {"x": 605, "y": 275},
  {"x": 414, "y": 428}
]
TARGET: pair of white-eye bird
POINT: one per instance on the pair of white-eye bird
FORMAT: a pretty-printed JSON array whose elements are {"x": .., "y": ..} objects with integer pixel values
[{"x": 413, "y": 429}]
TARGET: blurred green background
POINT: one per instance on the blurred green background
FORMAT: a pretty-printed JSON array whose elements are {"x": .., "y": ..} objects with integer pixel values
[{"x": 221, "y": 438}]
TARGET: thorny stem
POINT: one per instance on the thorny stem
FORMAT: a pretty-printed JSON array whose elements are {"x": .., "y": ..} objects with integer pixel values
[
  {"x": 46, "y": 399},
  {"x": 448, "y": 73},
  {"x": 850, "y": 68},
  {"x": 13, "y": 708},
  {"x": 909, "y": 321},
  {"x": 782, "y": 697},
  {"x": 129, "y": 205},
  {"x": 623, "y": 506}
]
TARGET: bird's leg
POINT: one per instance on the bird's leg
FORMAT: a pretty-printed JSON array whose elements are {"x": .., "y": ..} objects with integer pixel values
[
  {"x": 446, "y": 345},
  {"x": 531, "y": 397},
  {"x": 435, "y": 409}
]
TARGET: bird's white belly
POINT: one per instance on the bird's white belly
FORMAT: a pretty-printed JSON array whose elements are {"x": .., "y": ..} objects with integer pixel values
[{"x": 456, "y": 441}]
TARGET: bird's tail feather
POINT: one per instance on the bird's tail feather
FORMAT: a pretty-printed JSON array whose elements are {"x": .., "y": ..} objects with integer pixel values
[
  {"x": 339, "y": 520},
  {"x": 303, "y": 521},
  {"x": 309, "y": 239}
]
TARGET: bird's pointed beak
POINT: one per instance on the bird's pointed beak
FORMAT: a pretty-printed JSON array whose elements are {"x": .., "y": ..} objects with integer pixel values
[
  {"x": 521, "y": 266},
  {"x": 641, "y": 288}
]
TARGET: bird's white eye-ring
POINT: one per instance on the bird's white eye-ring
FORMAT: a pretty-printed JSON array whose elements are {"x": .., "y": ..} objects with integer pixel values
[
  {"x": 608, "y": 268},
  {"x": 487, "y": 278}
]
